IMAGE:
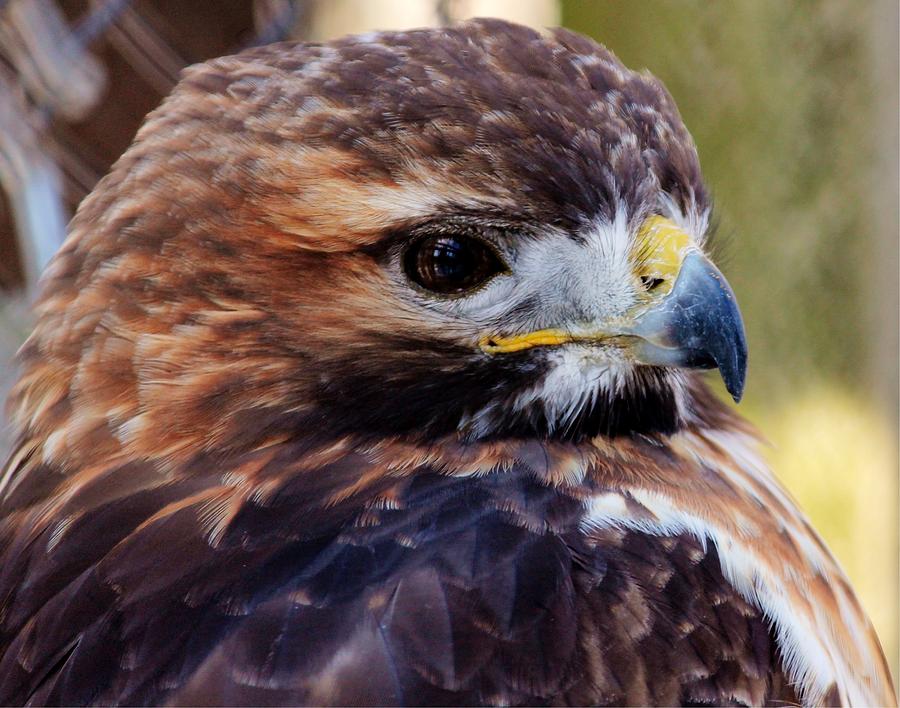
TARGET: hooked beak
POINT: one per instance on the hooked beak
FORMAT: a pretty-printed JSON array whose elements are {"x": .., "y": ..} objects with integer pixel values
[{"x": 697, "y": 325}]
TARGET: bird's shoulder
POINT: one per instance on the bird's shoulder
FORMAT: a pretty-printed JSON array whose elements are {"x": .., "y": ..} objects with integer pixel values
[{"x": 344, "y": 582}]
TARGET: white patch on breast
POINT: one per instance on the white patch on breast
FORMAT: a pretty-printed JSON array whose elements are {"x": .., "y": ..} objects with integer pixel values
[{"x": 814, "y": 655}]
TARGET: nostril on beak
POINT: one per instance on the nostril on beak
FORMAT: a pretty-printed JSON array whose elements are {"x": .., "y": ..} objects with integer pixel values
[{"x": 650, "y": 283}]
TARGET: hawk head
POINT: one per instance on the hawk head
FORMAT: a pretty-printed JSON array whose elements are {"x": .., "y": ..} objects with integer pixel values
[
  {"x": 267, "y": 356},
  {"x": 478, "y": 231}
]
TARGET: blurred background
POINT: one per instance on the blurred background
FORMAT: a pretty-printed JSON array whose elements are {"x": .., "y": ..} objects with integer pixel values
[{"x": 794, "y": 108}]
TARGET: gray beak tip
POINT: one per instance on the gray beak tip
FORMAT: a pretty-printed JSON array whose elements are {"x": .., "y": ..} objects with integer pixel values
[
  {"x": 735, "y": 378},
  {"x": 732, "y": 361}
]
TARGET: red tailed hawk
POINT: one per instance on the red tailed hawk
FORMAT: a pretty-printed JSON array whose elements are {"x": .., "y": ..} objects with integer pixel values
[{"x": 369, "y": 375}]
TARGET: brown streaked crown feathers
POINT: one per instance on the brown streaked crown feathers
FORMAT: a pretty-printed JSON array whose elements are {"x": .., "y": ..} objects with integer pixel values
[{"x": 262, "y": 458}]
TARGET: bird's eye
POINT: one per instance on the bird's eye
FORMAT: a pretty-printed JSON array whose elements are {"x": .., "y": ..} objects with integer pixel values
[{"x": 450, "y": 264}]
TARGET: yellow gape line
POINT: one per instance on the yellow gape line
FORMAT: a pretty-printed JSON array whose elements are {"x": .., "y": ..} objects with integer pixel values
[
  {"x": 540, "y": 338},
  {"x": 659, "y": 251}
]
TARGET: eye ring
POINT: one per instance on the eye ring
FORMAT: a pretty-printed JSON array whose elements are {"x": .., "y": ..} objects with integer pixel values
[{"x": 451, "y": 264}]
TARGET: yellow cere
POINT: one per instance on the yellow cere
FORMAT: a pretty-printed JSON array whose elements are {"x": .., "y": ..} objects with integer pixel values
[{"x": 659, "y": 250}]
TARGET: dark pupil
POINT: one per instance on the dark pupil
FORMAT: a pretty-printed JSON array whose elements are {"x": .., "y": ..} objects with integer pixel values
[
  {"x": 450, "y": 264},
  {"x": 449, "y": 260}
]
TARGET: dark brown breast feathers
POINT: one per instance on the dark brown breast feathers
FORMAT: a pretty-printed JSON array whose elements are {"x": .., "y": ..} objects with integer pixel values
[{"x": 442, "y": 591}]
